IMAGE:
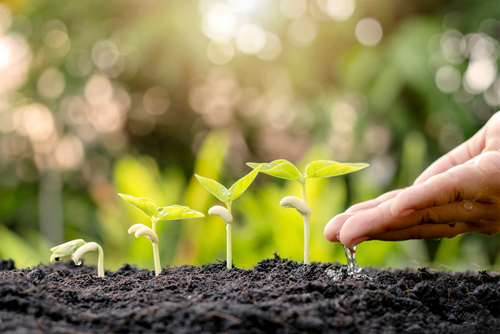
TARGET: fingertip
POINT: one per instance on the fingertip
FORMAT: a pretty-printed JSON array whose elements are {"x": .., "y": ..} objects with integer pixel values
[
  {"x": 355, "y": 242},
  {"x": 333, "y": 227},
  {"x": 328, "y": 231}
]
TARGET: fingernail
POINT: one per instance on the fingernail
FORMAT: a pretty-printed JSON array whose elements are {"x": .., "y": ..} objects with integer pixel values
[
  {"x": 405, "y": 213},
  {"x": 338, "y": 236}
]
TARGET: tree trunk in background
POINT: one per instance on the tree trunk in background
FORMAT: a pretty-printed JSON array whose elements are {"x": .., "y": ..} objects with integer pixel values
[{"x": 50, "y": 207}]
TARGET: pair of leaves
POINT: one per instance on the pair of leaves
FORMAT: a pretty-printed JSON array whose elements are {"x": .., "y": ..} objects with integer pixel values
[
  {"x": 228, "y": 195},
  {"x": 321, "y": 168},
  {"x": 149, "y": 208}
]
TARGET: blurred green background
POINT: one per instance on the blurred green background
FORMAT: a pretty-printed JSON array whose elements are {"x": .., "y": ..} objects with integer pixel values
[{"x": 100, "y": 97}]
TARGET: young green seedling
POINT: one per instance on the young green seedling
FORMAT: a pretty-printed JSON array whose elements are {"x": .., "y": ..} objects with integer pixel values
[
  {"x": 155, "y": 213},
  {"x": 76, "y": 248},
  {"x": 227, "y": 196},
  {"x": 286, "y": 170}
]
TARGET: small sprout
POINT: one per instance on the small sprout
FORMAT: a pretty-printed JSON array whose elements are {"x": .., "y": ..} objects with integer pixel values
[
  {"x": 76, "y": 248},
  {"x": 227, "y": 196},
  {"x": 297, "y": 204},
  {"x": 317, "y": 169},
  {"x": 149, "y": 208}
]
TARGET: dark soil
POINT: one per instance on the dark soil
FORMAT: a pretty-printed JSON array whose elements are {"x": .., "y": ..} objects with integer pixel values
[{"x": 277, "y": 296}]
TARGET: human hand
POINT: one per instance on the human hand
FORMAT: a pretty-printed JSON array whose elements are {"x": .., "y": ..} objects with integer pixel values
[{"x": 459, "y": 193}]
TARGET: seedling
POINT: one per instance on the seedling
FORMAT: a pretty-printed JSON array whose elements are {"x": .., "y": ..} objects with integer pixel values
[
  {"x": 76, "y": 248},
  {"x": 155, "y": 213},
  {"x": 286, "y": 170},
  {"x": 227, "y": 196}
]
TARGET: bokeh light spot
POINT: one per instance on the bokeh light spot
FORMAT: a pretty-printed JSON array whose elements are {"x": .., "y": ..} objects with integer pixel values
[
  {"x": 69, "y": 153},
  {"x": 219, "y": 21},
  {"x": 250, "y": 39},
  {"x": 340, "y": 10},
  {"x": 302, "y": 32},
  {"x": 448, "y": 79},
  {"x": 51, "y": 83},
  {"x": 293, "y": 9},
  {"x": 368, "y": 31},
  {"x": 156, "y": 100},
  {"x": 271, "y": 49},
  {"x": 479, "y": 75},
  {"x": 220, "y": 53}
]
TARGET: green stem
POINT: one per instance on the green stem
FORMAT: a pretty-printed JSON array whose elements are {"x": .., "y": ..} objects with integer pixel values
[
  {"x": 156, "y": 255},
  {"x": 153, "y": 224},
  {"x": 229, "y": 253},
  {"x": 304, "y": 194},
  {"x": 307, "y": 230},
  {"x": 100, "y": 262}
]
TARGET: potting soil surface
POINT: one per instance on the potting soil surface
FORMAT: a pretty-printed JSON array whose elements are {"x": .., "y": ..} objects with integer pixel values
[{"x": 276, "y": 296}]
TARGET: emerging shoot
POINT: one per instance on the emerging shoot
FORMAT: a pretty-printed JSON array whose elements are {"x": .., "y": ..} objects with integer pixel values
[
  {"x": 155, "y": 213},
  {"x": 76, "y": 248},
  {"x": 227, "y": 196},
  {"x": 286, "y": 170}
]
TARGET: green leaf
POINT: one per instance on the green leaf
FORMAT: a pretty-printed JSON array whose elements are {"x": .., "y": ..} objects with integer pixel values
[
  {"x": 279, "y": 168},
  {"x": 327, "y": 168},
  {"x": 178, "y": 212},
  {"x": 66, "y": 249},
  {"x": 144, "y": 204},
  {"x": 217, "y": 189},
  {"x": 242, "y": 184}
]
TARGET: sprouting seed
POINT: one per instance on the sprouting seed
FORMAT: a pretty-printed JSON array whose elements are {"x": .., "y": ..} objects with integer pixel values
[{"x": 76, "y": 248}]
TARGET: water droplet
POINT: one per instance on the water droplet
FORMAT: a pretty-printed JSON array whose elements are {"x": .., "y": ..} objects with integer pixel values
[
  {"x": 352, "y": 266},
  {"x": 79, "y": 263},
  {"x": 468, "y": 205}
]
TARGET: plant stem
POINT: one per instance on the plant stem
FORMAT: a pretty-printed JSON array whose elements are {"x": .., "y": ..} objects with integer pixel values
[
  {"x": 229, "y": 254},
  {"x": 307, "y": 230},
  {"x": 156, "y": 249},
  {"x": 100, "y": 262},
  {"x": 304, "y": 194},
  {"x": 156, "y": 255},
  {"x": 307, "y": 239}
]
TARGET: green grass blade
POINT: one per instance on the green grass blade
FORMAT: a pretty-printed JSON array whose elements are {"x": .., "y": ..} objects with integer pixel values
[
  {"x": 144, "y": 204},
  {"x": 178, "y": 212},
  {"x": 242, "y": 184},
  {"x": 217, "y": 189},
  {"x": 328, "y": 168},
  {"x": 278, "y": 168}
]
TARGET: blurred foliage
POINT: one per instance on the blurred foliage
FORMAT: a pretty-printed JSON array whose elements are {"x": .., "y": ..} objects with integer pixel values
[{"x": 101, "y": 97}]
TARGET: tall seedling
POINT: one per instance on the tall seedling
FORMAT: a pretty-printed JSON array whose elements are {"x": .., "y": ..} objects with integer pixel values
[
  {"x": 227, "y": 196},
  {"x": 286, "y": 170},
  {"x": 149, "y": 208}
]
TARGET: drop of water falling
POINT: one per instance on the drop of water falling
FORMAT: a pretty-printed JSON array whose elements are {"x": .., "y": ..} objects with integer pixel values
[
  {"x": 79, "y": 263},
  {"x": 468, "y": 205},
  {"x": 352, "y": 271}
]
